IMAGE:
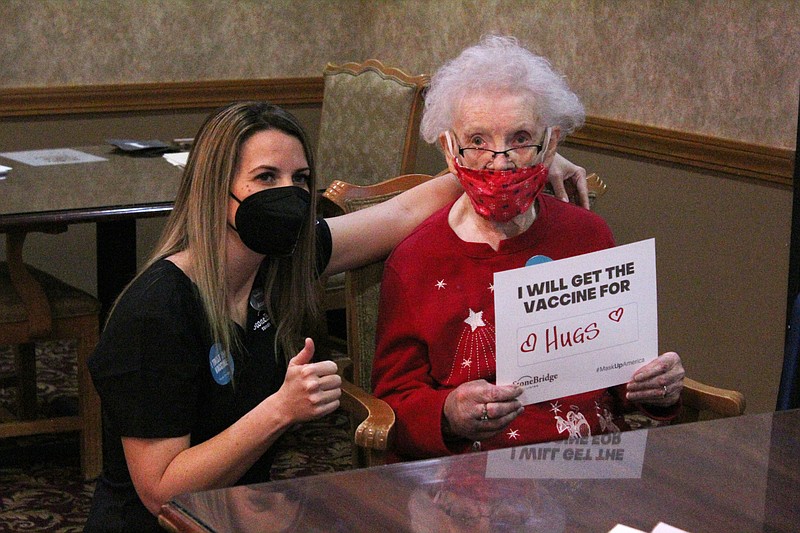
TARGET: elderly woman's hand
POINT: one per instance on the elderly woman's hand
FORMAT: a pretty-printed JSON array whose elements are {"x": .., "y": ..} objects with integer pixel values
[
  {"x": 478, "y": 410},
  {"x": 659, "y": 382},
  {"x": 569, "y": 181}
]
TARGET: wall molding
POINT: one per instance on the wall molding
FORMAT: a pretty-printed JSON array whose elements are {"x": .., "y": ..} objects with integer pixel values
[
  {"x": 45, "y": 101},
  {"x": 705, "y": 152},
  {"x": 766, "y": 163}
]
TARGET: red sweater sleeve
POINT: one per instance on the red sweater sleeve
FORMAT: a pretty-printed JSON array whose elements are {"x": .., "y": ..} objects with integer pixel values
[{"x": 401, "y": 374}]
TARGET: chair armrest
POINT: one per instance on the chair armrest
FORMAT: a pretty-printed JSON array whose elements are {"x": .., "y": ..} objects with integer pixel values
[
  {"x": 697, "y": 397},
  {"x": 374, "y": 417},
  {"x": 340, "y": 192}
]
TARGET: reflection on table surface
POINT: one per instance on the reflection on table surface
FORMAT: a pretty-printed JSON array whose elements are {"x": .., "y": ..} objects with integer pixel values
[{"x": 737, "y": 474}]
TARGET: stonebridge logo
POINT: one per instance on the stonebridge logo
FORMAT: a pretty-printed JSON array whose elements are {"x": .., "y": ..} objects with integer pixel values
[{"x": 527, "y": 381}]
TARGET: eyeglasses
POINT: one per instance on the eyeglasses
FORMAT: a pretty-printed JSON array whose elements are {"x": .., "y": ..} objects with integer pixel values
[{"x": 481, "y": 156}]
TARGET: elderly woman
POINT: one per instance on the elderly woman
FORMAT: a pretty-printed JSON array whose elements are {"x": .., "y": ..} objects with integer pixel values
[{"x": 498, "y": 112}]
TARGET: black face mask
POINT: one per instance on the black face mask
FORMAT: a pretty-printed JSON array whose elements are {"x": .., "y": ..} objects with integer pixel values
[{"x": 269, "y": 221}]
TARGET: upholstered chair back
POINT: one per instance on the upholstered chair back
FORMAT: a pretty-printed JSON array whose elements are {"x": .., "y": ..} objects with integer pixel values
[{"x": 369, "y": 124}]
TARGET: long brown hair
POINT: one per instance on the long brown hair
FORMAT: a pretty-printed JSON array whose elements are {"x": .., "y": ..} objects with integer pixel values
[{"x": 199, "y": 221}]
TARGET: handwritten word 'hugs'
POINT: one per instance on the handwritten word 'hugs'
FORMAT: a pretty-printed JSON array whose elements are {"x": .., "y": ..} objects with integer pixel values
[{"x": 552, "y": 293}]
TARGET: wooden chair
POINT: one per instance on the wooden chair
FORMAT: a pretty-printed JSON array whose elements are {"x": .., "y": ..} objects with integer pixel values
[
  {"x": 368, "y": 130},
  {"x": 362, "y": 290},
  {"x": 700, "y": 401},
  {"x": 594, "y": 184},
  {"x": 35, "y": 306}
]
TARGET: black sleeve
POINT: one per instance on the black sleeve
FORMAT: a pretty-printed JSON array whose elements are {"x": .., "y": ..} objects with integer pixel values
[
  {"x": 324, "y": 245},
  {"x": 147, "y": 366}
]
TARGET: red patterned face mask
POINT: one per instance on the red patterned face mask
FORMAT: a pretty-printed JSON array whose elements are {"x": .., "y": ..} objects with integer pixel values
[{"x": 501, "y": 195}]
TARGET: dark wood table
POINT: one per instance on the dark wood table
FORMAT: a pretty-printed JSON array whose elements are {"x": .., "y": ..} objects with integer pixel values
[
  {"x": 112, "y": 194},
  {"x": 738, "y": 474}
]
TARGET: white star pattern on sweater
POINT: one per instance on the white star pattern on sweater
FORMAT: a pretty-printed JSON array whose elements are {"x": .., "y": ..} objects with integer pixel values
[
  {"x": 475, "y": 320},
  {"x": 474, "y": 353}
]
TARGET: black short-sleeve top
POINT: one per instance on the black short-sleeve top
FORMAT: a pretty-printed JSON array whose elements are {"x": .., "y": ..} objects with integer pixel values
[{"x": 159, "y": 374}]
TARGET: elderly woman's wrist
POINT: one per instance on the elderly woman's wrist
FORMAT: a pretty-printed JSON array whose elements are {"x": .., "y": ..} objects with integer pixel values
[
  {"x": 449, "y": 436},
  {"x": 447, "y": 429}
]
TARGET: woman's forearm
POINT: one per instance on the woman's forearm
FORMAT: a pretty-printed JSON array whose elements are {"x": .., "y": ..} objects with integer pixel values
[
  {"x": 164, "y": 468},
  {"x": 370, "y": 234}
]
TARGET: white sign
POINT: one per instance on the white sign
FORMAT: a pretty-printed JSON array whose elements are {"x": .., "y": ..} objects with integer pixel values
[{"x": 577, "y": 324}]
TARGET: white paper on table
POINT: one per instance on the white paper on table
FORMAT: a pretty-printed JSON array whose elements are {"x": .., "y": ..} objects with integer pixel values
[
  {"x": 577, "y": 324},
  {"x": 57, "y": 156},
  {"x": 177, "y": 158}
]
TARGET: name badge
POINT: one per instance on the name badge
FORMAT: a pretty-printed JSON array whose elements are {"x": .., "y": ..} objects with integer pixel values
[{"x": 221, "y": 368}]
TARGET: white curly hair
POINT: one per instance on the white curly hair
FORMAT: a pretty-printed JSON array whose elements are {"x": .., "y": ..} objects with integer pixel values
[{"x": 499, "y": 63}]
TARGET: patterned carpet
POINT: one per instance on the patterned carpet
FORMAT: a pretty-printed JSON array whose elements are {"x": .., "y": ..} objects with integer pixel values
[{"x": 41, "y": 487}]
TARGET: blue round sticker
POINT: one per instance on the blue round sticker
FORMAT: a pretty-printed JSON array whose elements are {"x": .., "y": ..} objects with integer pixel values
[
  {"x": 221, "y": 369},
  {"x": 537, "y": 260}
]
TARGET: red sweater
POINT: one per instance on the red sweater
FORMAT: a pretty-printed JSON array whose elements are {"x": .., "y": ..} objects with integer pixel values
[{"x": 436, "y": 330}]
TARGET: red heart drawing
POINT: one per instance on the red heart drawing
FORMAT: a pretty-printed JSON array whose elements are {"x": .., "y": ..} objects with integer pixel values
[
  {"x": 529, "y": 345},
  {"x": 616, "y": 314}
]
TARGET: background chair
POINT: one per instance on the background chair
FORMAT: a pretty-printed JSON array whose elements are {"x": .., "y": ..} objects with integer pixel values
[
  {"x": 369, "y": 124},
  {"x": 368, "y": 130},
  {"x": 789, "y": 389},
  {"x": 35, "y": 306}
]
